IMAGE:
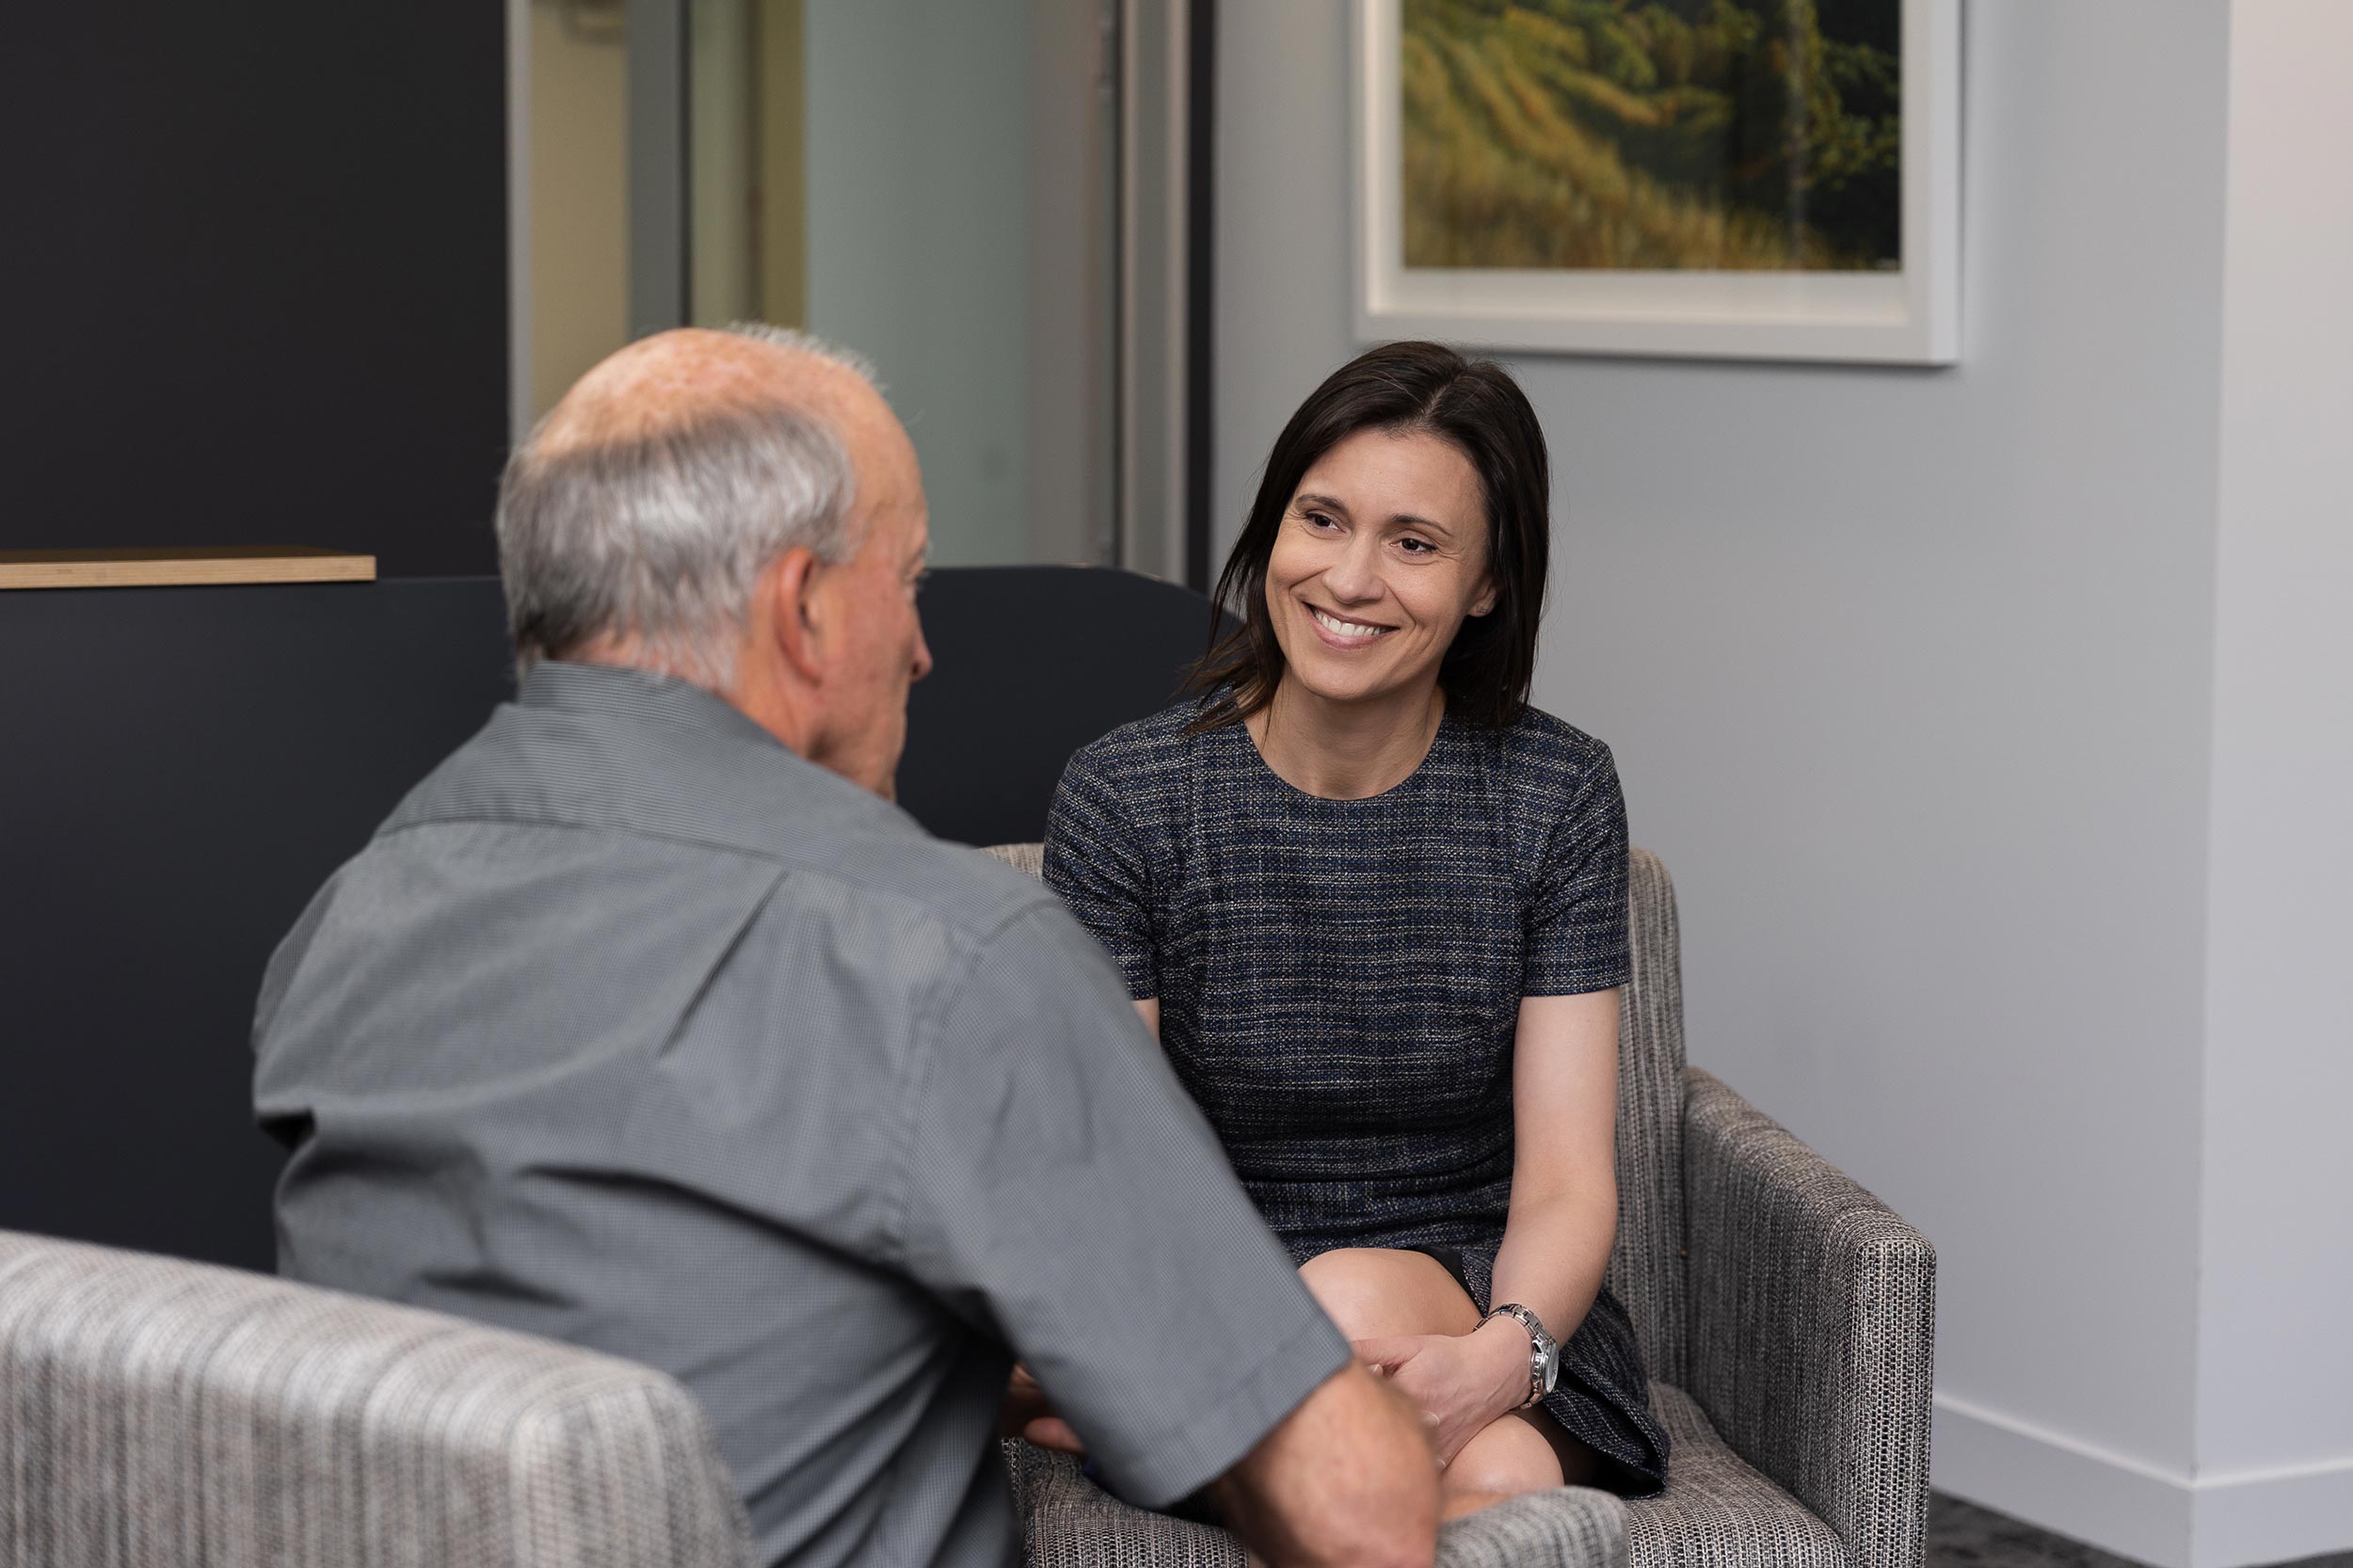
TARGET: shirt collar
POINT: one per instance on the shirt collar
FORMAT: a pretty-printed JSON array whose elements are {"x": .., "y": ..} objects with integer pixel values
[{"x": 567, "y": 687}]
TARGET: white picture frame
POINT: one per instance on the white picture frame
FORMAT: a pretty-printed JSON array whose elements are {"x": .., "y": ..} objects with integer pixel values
[{"x": 1907, "y": 316}]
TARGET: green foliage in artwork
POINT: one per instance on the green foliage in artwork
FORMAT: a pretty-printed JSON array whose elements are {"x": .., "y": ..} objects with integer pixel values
[{"x": 1761, "y": 135}]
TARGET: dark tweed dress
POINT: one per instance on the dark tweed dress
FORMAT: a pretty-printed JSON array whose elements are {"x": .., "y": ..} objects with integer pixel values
[{"x": 1339, "y": 982}]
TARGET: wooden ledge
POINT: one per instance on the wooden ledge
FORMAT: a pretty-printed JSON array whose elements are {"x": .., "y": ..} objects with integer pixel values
[{"x": 181, "y": 567}]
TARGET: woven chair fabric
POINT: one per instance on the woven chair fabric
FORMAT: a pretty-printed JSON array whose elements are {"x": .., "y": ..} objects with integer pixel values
[
  {"x": 158, "y": 1411},
  {"x": 1717, "y": 1510},
  {"x": 1813, "y": 1326},
  {"x": 1069, "y": 1522},
  {"x": 1022, "y": 857},
  {"x": 1568, "y": 1526},
  {"x": 1647, "y": 1260}
]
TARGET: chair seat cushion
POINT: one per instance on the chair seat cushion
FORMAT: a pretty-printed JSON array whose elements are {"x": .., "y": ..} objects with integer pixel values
[
  {"x": 1069, "y": 1522},
  {"x": 1718, "y": 1510}
]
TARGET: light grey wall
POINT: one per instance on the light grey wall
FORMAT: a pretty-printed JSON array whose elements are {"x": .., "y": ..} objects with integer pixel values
[
  {"x": 1908, "y": 675},
  {"x": 918, "y": 202},
  {"x": 2275, "y": 1376}
]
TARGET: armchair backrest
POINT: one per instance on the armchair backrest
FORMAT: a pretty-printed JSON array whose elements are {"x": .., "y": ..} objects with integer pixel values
[
  {"x": 153, "y": 1410},
  {"x": 1646, "y": 1264}
]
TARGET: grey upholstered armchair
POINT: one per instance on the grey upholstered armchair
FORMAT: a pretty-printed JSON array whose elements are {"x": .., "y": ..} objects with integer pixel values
[
  {"x": 155, "y": 1412},
  {"x": 1787, "y": 1316}
]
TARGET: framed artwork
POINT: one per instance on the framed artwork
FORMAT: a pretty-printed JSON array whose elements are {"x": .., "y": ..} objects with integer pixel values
[{"x": 1722, "y": 178}]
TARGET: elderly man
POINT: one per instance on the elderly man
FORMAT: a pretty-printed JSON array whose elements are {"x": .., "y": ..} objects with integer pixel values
[{"x": 646, "y": 1022}]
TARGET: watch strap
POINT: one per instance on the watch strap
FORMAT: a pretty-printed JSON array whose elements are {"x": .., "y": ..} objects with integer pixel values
[{"x": 1542, "y": 1349}]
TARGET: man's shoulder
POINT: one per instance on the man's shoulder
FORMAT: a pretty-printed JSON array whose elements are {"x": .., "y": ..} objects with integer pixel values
[
  {"x": 969, "y": 893},
  {"x": 709, "y": 791}
]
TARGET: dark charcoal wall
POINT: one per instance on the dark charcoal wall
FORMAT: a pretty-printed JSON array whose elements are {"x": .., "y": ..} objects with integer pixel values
[
  {"x": 185, "y": 766},
  {"x": 255, "y": 275},
  {"x": 182, "y": 768}
]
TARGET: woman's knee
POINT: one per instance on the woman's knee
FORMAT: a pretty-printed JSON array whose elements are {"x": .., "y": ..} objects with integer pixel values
[
  {"x": 1347, "y": 1282},
  {"x": 1375, "y": 1291},
  {"x": 1507, "y": 1458}
]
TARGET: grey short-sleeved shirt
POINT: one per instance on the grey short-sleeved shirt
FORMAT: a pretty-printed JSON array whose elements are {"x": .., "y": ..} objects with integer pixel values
[{"x": 629, "y": 1028}]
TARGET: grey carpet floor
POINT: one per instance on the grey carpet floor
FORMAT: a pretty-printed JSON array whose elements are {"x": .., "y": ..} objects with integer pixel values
[{"x": 1963, "y": 1535}]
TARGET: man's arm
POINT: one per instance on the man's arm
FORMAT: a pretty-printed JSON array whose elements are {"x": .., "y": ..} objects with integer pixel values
[
  {"x": 1064, "y": 1194},
  {"x": 1347, "y": 1479}
]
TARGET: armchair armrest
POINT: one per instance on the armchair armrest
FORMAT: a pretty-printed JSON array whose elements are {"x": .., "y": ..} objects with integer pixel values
[
  {"x": 1813, "y": 1324},
  {"x": 1570, "y": 1526},
  {"x": 153, "y": 1410}
]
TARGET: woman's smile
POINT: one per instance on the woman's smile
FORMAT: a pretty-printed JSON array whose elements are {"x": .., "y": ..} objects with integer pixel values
[{"x": 1338, "y": 632}]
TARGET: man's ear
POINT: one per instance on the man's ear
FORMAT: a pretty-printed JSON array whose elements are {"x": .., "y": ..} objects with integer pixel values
[{"x": 796, "y": 612}]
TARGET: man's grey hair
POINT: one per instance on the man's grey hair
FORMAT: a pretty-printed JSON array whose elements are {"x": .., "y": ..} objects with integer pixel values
[{"x": 659, "y": 541}]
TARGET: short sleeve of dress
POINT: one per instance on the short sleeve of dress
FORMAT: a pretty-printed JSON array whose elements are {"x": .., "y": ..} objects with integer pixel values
[
  {"x": 1095, "y": 863},
  {"x": 1577, "y": 936},
  {"x": 1067, "y": 1195}
]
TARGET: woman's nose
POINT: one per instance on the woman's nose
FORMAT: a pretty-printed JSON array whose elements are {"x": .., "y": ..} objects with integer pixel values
[{"x": 1355, "y": 577}]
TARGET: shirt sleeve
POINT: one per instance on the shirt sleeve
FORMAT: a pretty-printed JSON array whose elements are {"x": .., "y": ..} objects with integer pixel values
[
  {"x": 1095, "y": 864},
  {"x": 1065, "y": 1195},
  {"x": 1577, "y": 937}
]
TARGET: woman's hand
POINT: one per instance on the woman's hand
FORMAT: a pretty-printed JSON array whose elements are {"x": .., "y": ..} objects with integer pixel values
[
  {"x": 1459, "y": 1383},
  {"x": 1025, "y": 1412}
]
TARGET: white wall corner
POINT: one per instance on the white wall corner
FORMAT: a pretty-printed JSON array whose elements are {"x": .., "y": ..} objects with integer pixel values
[
  {"x": 2274, "y": 1440},
  {"x": 2273, "y": 1515},
  {"x": 2121, "y": 1503},
  {"x": 2133, "y": 1507}
]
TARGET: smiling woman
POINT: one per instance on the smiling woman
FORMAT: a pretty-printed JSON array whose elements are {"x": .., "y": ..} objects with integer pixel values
[
  {"x": 1410, "y": 465},
  {"x": 1379, "y": 560},
  {"x": 1375, "y": 905}
]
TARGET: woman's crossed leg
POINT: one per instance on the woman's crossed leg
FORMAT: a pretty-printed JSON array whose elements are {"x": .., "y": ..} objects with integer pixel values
[{"x": 1376, "y": 1294}]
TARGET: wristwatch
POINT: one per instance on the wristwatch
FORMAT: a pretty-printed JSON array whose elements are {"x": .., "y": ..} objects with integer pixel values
[{"x": 1543, "y": 1355}]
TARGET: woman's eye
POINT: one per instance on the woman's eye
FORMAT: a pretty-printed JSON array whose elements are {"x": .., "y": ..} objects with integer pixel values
[
  {"x": 1419, "y": 547},
  {"x": 1316, "y": 519}
]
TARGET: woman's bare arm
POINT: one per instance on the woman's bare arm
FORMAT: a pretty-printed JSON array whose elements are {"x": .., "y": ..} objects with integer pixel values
[
  {"x": 1557, "y": 1233},
  {"x": 1564, "y": 1173},
  {"x": 1150, "y": 1010}
]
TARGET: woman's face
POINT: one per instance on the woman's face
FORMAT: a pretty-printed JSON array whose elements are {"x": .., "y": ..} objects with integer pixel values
[{"x": 1380, "y": 557}]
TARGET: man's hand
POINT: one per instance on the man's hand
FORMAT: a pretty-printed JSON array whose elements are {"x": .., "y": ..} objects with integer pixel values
[
  {"x": 1347, "y": 1481},
  {"x": 1025, "y": 1412},
  {"x": 1458, "y": 1383}
]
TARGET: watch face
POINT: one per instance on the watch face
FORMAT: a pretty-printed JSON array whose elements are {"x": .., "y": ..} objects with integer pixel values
[{"x": 1552, "y": 1371}]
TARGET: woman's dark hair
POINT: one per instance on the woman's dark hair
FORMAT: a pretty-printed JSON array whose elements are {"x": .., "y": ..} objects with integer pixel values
[{"x": 1401, "y": 388}]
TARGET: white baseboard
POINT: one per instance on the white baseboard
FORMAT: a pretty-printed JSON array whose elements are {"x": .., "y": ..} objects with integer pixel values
[
  {"x": 2136, "y": 1509},
  {"x": 2273, "y": 1515},
  {"x": 2123, "y": 1505}
]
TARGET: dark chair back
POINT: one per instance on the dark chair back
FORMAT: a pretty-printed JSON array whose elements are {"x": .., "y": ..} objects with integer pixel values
[{"x": 1033, "y": 664}]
